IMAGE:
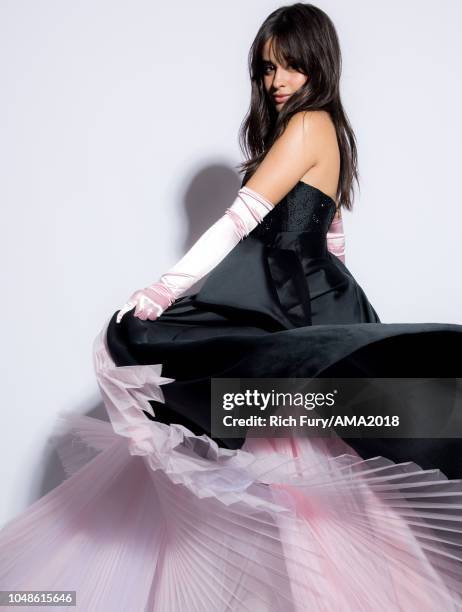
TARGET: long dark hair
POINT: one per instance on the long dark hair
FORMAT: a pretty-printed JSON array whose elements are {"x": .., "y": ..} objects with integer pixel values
[{"x": 305, "y": 36}]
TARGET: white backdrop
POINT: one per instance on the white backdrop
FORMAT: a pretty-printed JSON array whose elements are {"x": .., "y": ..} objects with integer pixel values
[{"x": 118, "y": 147}]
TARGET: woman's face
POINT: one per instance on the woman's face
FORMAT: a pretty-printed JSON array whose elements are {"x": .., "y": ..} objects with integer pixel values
[{"x": 278, "y": 79}]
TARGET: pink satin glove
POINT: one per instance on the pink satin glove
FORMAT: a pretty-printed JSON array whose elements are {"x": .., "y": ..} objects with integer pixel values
[
  {"x": 336, "y": 238},
  {"x": 247, "y": 211}
]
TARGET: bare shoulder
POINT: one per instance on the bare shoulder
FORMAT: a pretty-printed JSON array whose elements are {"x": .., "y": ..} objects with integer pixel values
[
  {"x": 316, "y": 123},
  {"x": 291, "y": 156},
  {"x": 312, "y": 120},
  {"x": 317, "y": 130}
]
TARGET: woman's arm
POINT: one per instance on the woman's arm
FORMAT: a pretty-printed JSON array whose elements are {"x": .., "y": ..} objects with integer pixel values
[{"x": 283, "y": 166}]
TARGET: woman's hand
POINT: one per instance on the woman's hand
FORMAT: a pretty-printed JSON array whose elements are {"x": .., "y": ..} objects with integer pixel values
[{"x": 149, "y": 303}]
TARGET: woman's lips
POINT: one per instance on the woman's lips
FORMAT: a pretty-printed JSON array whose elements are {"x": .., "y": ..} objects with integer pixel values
[{"x": 281, "y": 98}]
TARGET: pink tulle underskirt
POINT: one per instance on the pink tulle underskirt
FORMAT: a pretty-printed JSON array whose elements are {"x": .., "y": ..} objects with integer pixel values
[{"x": 151, "y": 517}]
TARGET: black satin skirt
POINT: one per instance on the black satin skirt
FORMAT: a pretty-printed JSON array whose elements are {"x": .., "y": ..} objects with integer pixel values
[{"x": 288, "y": 309}]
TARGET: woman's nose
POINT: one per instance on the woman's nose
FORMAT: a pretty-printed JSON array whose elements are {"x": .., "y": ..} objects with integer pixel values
[{"x": 280, "y": 78}]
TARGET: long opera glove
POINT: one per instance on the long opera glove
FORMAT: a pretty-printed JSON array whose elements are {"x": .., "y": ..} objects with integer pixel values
[
  {"x": 336, "y": 238},
  {"x": 245, "y": 213}
]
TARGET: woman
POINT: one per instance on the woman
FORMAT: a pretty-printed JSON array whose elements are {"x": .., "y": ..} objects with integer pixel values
[{"x": 166, "y": 516}]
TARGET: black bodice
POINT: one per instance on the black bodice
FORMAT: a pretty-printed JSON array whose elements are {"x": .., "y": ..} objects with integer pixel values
[{"x": 304, "y": 209}]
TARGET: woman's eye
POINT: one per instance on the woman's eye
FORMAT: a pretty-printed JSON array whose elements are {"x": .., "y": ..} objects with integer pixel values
[{"x": 269, "y": 67}]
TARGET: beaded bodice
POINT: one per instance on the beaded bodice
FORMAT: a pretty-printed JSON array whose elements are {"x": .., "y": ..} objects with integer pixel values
[{"x": 304, "y": 209}]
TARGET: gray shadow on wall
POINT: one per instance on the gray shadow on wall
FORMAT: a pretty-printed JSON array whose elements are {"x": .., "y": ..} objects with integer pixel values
[{"x": 205, "y": 200}]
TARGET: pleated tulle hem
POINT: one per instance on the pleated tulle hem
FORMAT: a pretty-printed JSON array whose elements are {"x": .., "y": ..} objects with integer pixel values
[{"x": 153, "y": 517}]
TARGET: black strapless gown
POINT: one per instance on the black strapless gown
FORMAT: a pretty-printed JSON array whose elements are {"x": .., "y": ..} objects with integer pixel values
[
  {"x": 281, "y": 305},
  {"x": 157, "y": 516}
]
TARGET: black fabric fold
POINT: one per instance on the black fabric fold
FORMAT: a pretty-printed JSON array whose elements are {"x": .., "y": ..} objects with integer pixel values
[{"x": 281, "y": 305}]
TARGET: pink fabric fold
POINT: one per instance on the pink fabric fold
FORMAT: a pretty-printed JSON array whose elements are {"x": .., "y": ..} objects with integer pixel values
[{"x": 336, "y": 238}]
